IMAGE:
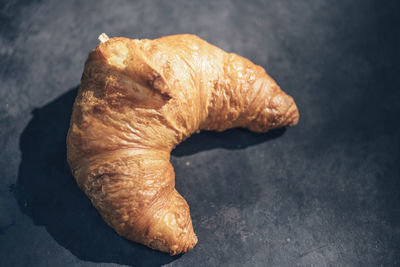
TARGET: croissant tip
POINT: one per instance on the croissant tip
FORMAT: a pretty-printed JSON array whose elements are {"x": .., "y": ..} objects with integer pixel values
[
  {"x": 293, "y": 115},
  {"x": 185, "y": 248}
]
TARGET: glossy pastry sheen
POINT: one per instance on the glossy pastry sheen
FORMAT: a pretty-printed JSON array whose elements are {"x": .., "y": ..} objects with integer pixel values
[{"x": 138, "y": 99}]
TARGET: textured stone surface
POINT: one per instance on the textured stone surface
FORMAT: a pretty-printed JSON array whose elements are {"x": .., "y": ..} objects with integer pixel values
[{"x": 324, "y": 193}]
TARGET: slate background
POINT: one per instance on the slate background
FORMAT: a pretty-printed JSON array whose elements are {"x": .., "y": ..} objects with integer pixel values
[{"x": 324, "y": 193}]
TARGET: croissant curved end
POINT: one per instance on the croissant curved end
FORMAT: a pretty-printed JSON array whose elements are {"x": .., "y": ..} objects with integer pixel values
[{"x": 289, "y": 109}]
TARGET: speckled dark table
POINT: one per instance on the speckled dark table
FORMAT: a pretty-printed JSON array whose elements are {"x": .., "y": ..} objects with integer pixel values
[{"x": 323, "y": 193}]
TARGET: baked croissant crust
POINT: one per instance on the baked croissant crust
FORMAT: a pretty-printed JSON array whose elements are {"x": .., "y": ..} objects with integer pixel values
[{"x": 138, "y": 99}]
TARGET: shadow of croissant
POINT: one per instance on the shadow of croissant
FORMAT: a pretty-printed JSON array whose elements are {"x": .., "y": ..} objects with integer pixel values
[
  {"x": 47, "y": 192},
  {"x": 237, "y": 138}
]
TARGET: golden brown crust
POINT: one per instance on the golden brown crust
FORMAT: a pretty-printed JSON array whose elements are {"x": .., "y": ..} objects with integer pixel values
[{"x": 138, "y": 99}]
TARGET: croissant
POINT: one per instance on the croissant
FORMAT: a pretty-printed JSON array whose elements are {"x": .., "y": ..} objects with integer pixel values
[{"x": 138, "y": 99}]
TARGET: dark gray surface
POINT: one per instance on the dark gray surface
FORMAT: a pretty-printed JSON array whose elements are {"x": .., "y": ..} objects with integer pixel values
[{"x": 324, "y": 193}]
